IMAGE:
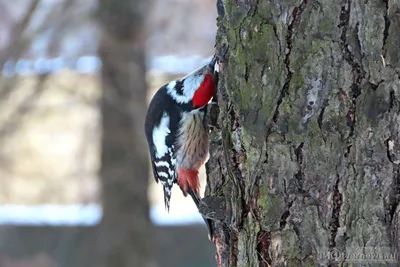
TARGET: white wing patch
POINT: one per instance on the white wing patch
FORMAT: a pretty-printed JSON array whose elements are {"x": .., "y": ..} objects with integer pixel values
[
  {"x": 190, "y": 85},
  {"x": 160, "y": 133}
]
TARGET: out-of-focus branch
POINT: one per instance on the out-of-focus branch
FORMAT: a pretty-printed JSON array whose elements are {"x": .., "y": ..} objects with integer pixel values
[
  {"x": 16, "y": 33},
  {"x": 12, "y": 49},
  {"x": 71, "y": 18},
  {"x": 19, "y": 42},
  {"x": 6, "y": 86},
  {"x": 23, "y": 108},
  {"x": 57, "y": 19}
]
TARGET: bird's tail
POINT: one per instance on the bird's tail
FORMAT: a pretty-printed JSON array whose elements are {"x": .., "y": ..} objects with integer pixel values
[
  {"x": 167, "y": 197},
  {"x": 196, "y": 199}
]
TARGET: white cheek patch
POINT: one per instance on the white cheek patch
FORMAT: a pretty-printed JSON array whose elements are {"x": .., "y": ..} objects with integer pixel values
[
  {"x": 190, "y": 85},
  {"x": 160, "y": 133},
  {"x": 177, "y": 97}
]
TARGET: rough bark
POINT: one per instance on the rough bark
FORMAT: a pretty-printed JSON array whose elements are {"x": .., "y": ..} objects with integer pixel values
[
  {"x": 305, "y": 152},
  {"x": 125, "y": 232}
]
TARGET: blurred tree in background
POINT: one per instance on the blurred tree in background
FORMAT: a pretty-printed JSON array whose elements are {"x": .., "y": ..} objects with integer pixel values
[{"x": 126, "y": 234}]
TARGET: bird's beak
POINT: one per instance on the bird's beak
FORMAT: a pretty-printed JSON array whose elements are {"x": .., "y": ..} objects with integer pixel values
[{"x": 212, "y": 63}]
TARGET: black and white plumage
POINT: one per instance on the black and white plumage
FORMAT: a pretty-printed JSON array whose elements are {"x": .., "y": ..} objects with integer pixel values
[
  {"x": 160, "y": 122},
  {"x": 177, "y": 134}
]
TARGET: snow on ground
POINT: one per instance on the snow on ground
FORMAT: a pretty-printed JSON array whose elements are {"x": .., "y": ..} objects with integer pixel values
[
  {"x": 86, "y": 215},
  {"x": 89, "y": 64}
]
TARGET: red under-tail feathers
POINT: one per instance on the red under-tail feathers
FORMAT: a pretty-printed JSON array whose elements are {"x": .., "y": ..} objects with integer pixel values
[
  {"x": 205, "y": 92},
  {"x": 189, "y": 179}
]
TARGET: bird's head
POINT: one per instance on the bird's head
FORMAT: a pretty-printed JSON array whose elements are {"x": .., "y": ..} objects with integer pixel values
[
  {"x": 208, "y": 86},
  {"x": 198, "y": 86}
]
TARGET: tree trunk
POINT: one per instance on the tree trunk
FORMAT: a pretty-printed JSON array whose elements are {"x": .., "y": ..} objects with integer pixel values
[
  {"x": 305, "y": 152},
  {"x": 125, "y": 236}
]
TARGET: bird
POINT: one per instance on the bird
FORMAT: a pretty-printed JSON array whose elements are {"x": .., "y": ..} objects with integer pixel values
[{"x": 177, "y": 132}]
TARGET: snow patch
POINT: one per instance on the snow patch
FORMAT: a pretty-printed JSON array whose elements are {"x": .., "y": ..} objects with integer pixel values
[
  {"x": 86, "y": 215},
  {"x": 91, "y": 64}
]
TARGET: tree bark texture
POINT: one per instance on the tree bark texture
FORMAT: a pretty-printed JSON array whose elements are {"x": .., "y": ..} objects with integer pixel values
[
  {"x": 305, "y": 151},
  {"x": 125, "y": 233}
]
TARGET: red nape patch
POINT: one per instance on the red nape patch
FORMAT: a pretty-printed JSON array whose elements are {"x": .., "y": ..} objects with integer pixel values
[
  {"x": 188, "y": 179},
  {"x": 205, "y": 92}
]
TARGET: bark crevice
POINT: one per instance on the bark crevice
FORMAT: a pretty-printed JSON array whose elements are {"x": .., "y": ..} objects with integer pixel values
[
  {"x": 299, "y": 176},
  {"x": 283, "y": 221},
  {"x": 320, "y": 119},
  {"x": 386, "y": 29},
  {"x": 334, "y": 222},
  {"x": 263, "y": 244},
  {"x": 296, "y": 14},
  {"x": 357, "y": 71},
  {"x": 394, "y": 196}
]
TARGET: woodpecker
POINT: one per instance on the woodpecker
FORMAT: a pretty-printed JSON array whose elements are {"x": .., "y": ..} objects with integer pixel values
[{"x": 177, "y": 132}]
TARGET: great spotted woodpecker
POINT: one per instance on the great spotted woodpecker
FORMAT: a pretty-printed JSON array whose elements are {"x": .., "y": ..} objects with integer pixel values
[{"x": 177, "y": 134}]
